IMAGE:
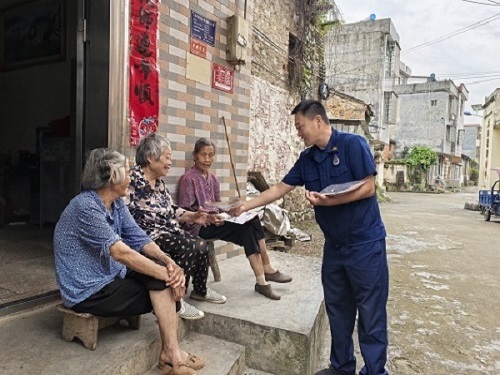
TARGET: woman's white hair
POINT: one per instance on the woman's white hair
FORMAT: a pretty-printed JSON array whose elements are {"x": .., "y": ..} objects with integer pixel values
[
  {"x": 152, "y": 146},
  {"x": 104, "y": 167}
]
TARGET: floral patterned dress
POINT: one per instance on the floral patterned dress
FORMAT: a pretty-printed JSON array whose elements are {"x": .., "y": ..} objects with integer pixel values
[{"x": 155, "y": 212}]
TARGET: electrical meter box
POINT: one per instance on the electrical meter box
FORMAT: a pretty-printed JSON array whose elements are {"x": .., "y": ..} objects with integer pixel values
[{"x": 237, "y": 40}]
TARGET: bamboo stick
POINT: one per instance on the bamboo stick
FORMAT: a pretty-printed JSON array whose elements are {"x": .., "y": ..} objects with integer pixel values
[{"x": 231, "y": 157}]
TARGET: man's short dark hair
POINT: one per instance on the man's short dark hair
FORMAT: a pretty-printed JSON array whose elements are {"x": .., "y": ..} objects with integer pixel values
[{"x": 310, "y": 109}]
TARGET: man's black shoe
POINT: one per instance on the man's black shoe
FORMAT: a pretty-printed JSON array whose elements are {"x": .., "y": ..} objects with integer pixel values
[{"x": 327, "y": 371}]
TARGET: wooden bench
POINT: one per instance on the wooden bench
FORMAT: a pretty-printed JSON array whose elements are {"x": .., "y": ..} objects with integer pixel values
[
  {"x": 86, "y": 326},
  {"x": 212, "y": 259}
]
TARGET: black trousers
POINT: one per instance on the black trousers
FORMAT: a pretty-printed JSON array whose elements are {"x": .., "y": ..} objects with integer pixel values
[
  {"x": 191, "y": 254},
  {"x": 246, "y": 235},
  {"x": 123, "y": 297}
]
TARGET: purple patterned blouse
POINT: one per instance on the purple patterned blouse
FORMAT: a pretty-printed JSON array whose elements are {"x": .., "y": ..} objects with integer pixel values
[{"x": 196, "y": 192}]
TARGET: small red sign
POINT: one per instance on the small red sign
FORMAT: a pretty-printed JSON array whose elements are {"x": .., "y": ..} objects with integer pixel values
[
  {"x": 222, "y": 78},
  {"x": 198, "y": 48}
]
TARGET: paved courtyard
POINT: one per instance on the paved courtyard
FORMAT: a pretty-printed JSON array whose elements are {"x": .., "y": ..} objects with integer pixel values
[{"x": 445, "y": 285}]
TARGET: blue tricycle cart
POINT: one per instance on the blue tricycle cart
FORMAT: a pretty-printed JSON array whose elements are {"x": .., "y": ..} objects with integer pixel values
[{"x": 489, "y": 200}]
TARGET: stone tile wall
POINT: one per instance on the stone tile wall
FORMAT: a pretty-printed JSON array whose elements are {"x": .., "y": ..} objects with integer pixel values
[
  {"x": 274, "y": 144},
  {"x": 273, "y": 22},
  {"x": 189, "y": 109}
]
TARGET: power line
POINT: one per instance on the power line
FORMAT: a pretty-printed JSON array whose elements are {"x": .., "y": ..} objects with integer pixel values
[
  {"x": 331, "y": 56},
  {"x": 495, "y": 4},
  {"x": 346, "y": 75},
  {"x": 485, "y": 80},
  {"x": 473, "y": 26},
  {"x": 476, "y": 77},
  {"x": 343, "y": 74},
  {"x": 469, "y": 73}
]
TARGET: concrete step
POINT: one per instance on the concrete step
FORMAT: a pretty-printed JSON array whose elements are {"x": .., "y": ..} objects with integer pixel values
[
  {"x": 222, "y": 357},
  {"x": 251, "y": 371},
  {"x": 31, "y": 344},
  {"x": 281, "y": 337}
]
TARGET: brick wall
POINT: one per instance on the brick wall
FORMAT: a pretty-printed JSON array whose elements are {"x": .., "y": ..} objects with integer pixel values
[
  {"x": 190, "y": 109},
  {"x": 345, "y": 107}
]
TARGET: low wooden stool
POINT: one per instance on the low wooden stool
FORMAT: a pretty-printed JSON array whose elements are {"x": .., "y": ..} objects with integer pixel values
[
  {"x": 86, "y": 326},
  {"x": 212, "y": 259}
]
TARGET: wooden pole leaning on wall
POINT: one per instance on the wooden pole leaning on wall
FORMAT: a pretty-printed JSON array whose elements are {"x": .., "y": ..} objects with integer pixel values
[{"x": 231, "y": 157}]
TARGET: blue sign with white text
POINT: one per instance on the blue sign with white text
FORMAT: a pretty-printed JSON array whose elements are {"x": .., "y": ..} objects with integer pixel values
[{"x": 203, "y": 29}]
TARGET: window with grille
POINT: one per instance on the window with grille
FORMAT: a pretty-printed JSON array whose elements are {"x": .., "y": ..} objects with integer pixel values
[
  {"x": 389, "y": 58},
  {"x": 387, "y": 106},
  {"x": 434, "y": 103}
]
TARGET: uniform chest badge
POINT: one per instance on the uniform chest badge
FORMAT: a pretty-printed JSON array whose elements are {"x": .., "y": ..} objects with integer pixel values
[{"x": 336, "y": 159}]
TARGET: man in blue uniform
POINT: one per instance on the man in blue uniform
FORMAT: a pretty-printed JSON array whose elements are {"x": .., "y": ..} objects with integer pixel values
[{"x": 355, "y": 272}]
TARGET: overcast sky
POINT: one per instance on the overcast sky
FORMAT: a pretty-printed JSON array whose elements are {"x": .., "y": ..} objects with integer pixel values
[{"x": 466, "y": 58}]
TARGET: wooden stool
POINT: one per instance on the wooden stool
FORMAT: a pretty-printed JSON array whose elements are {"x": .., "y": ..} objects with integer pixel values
[
  {"x": 86, "y": 326},
  {"x": 212, "y": 259}
]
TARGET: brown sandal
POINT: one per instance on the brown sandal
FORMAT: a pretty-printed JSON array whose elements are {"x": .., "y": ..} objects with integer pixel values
[
  {"x": 178, "y": 369},
  {"x": 193, "y": 362}
]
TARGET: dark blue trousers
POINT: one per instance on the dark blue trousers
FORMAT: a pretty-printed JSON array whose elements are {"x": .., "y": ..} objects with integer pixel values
[{"x": 356, "y": 279}]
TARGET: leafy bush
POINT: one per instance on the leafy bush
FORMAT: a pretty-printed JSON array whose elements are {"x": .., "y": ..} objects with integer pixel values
[
  {"x": 473, "y": 172},
  {"x": 421, "y": 157}
]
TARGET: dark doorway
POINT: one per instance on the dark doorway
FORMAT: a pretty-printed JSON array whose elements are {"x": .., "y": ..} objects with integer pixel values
[{"x": 44, "y": 112}]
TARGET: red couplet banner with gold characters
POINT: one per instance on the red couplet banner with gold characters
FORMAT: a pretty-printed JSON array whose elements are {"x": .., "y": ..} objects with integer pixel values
[{"x": 144, "y": 72}]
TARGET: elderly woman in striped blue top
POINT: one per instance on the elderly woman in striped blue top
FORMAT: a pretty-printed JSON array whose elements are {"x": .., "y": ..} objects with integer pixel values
[{"x": 107, "y": 266}]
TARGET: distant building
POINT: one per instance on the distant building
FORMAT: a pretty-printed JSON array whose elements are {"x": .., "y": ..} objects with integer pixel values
[
  {"x": 362, "y": 59},
  {"x": 471, "y": 151},
  {"x": 490, "y": 140},
  {"x": 472, "y": 141},
  {"x": 350, "y": 115},
  {"x": 431, "y": 114},
  {"x": 404, "y": 73}
]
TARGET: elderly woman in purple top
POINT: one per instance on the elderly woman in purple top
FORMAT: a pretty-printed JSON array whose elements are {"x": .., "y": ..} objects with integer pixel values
[
  {"x": 198, "y": 187},
  {"x": 107, "y": 266},
  {"x": 153, "y": 209}
]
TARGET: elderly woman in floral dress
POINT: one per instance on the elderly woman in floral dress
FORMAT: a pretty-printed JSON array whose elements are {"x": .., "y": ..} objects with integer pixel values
[
  {"x": 107, "y": 266},
  {"x": 153, "y": 209}
]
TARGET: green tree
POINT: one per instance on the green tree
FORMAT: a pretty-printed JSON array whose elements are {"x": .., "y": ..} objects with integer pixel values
[
  {"x": 473, "y": 173},
  {"x": 421, "y": 157}
]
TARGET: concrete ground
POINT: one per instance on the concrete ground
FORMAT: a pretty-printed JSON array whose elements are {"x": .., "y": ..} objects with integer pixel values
[
  {"x": 273, "y": 335},
  {"x": 26, "y": 262},
  {"x": 445, "y": 285}
]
